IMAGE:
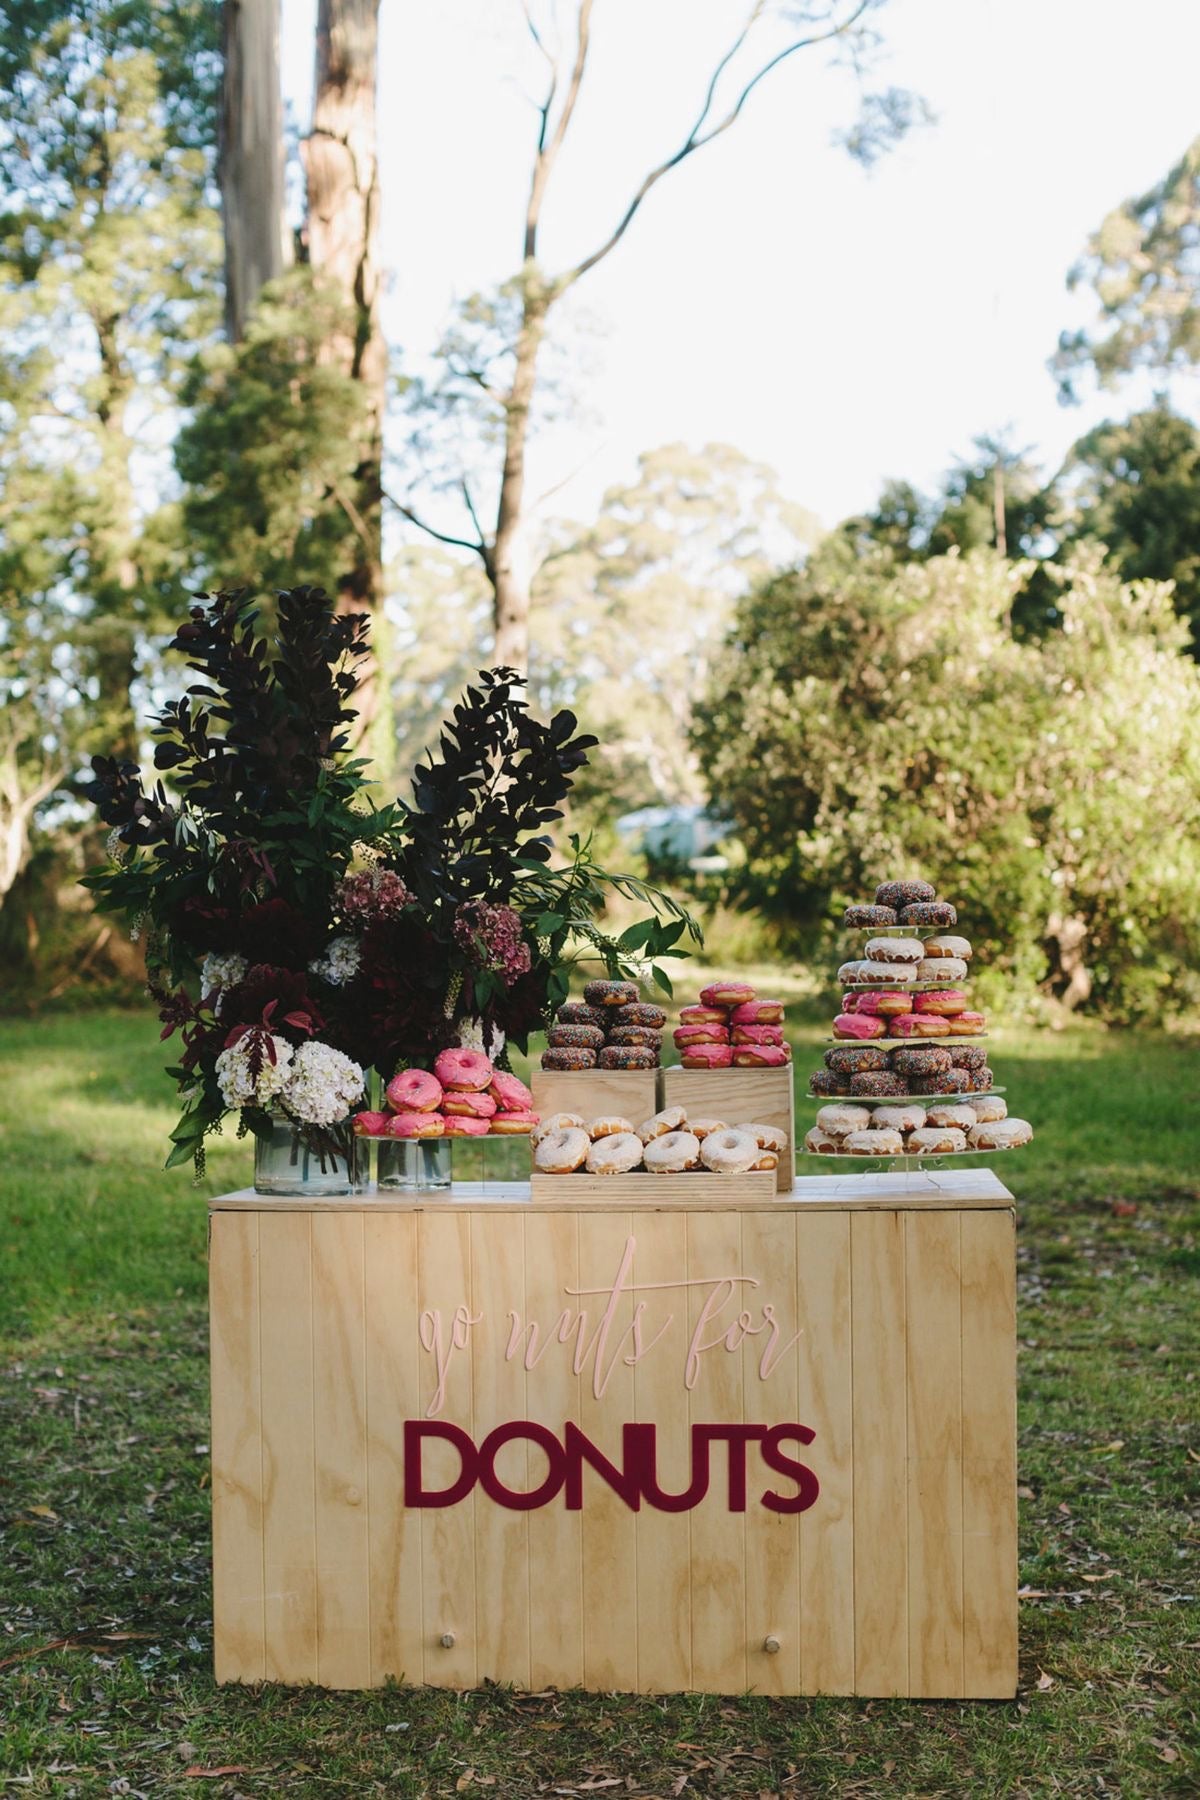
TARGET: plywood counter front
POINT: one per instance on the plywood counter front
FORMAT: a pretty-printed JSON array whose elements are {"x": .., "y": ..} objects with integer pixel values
[{"x": 766, "y": 1445}]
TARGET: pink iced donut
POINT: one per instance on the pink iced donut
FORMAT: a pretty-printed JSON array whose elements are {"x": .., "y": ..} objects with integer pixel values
[
  {"x": 509, "y": 1093},
  {"x": 704, "y": 1015},
  {"x": 463, "y": 1069},
  {"x": 416, "y": 1125},
  {"x": 757, "y": 1012},
  {"x": 514, "y": 1124},
  {"x": 414, "y": 1090},
  {"x": 917, "y": 1025},
  {"x": 463, "y": 1104},
  {"x": 700, "y": 1034},
  {"x": 761, "y": 1056},
  {"x": 727, "y": 993},
  {"x": 757, "y": 1034},
  {"x": 707, "y": 1056},
  {"x": 459, "y": 1125},
  {"x": 370, "y": 1124},
  {"x": 858, "y": 1025}
]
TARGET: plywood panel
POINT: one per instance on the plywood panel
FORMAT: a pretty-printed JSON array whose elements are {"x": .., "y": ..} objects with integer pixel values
[
  {"x": 989, "y": 1456},
  {"x": 393, "y": 1395},
  {"x": 827, "y": 1407},
  {"x": 447, "y": 1533},
  {"x": 644, "y": 1189},
  {"x": 593, "y": 1093},
  {"x": 606, "y": 1403},
  {"x": 340, "y": 1425},
  {"x": 880, "y": 1454},
  {"x": 239, "y": 1651},
  {"x": 663, "y": 1609},
  {"x": 498, "y": 1397},
  {"x": 740, "y": 1097},
  {"x": 770, "y": 1396},
  {"x": 289, "y": 1515},
  {"x": 553, "y": 1398},
  {"x": 935, "y": 1569}
]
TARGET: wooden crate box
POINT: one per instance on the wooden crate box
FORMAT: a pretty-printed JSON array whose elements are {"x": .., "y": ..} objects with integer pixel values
[
  {"x": 739, "y": 1096},
  {"x": 626, "y": 1093}
]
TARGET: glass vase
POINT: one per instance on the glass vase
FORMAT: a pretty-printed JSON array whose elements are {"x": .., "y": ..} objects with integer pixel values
[
  {"x": 284, "y": 1165},
  {"x": 415, "y": 1165}
]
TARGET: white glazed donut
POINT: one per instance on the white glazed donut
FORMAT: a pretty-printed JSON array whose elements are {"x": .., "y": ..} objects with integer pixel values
[
  {"x": 701, "y": 1127},
  {"x": 609, "y": 1126},
  {"x": 767, "y": 1137},
  {"x": 672, "y": 1118},
  {"x": 873, "y": 1143},
  {"x": 959, "y": 1118},
  {"x": 889, "y": 974},
  {"x": 562, "y": 1152},
  {"x": 937, "y": 1140},
  {"x": 560, "y": 1121},
  {"x": 942, "y": 969},
  {"x": 897, "y": 1118},
  {"x": 948, "y": 946},
  {"x": 893, "y": 950},
  {"x": 672, "y": 1152},
  {"x": 838, "y": 1120},
  {"x": 616, "y": 1153},
  {"x": 991, "y": 1110},
  {"x": 729, "y": 1152},
  {"x": 1001, "y": 1134},
  {"x": 767, "y": 1160},
  {"x": 820, "y": 1143}
]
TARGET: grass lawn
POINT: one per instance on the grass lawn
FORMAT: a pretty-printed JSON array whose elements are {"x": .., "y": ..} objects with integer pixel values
[{"x": 105, "y": 1634}]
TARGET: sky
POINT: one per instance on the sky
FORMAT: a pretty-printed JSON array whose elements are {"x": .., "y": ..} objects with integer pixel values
[{"x": 844, "y": 327}]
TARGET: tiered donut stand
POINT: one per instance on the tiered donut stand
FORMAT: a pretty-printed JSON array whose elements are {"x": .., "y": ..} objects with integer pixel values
[{"x": 905, "y": 1161}]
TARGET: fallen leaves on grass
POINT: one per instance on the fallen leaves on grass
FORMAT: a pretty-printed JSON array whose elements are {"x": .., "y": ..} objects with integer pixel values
[{"x": 196, "y": 1773}]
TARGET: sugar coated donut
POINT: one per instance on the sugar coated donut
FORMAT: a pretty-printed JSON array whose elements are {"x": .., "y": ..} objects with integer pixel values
[
  {"x": 892, "y": 950},
  {"x": 767, "y": 1137},
  {"x": 509, "y": 1092},
  {"x": 575, "y": 1037},
  {"x": 671, "y": 1153},
  {"x": 627, "y": 1056},
  {"x": 561, "y": 1152},
  {"x": 757, "y": 1034},
  {"x": 947, "y": 1082},
  {"x": 825, "y": 1082},
  {"x": 616, "y": 1153},
  {"x": 466, "y": 1105},
  {"x": 991, "y": 1110},
  {"x": 370, "y": 1124},
  {"x": 882, "y": 1005},
  {"x": 878, "y": 1086},
  {"x": 469, "y": 1069},
  {"x": 967, "y": 1056},
  {"x": 897, "y": 1118},
  {"x": 761, "y": 1056},
  {"x": 514, "y": 1124},
  {"x": 645, "y": 1035},
  {"x": 767, "y": 1160},
  {"x": 416, "y": 1125},
  {"x": 851, "y": 973},
  {"x": 414, "y": 1090},
  {"x": 929, "y": 912},
  {"x": 919, "y": 1024},
  {"x": 1000, "y": 1134},
  {"x": 941, "y": 1003},
  {"x": 568, "y": 1060},
  {"x": 704, "y": 1015},
  {"x": 853, "y": 1059},
  {"x": 941, "y": 968},
  {"x": 873, "y": 1143},
  {"x": 757, "y": 1012},
  {"x": 701, "y": 1127},
  {"x": 903, "y": 893},
  {"x": 672, "y": 1118},
  {"x": 930, "y": 1061},
  {"x": 838, "y": 1120},
  {"x": 858, "y": 1025},
  {"x": 700, "y": 1034},
  {"x": 961, "y": 1118},
  {"x": 640, "y": 1013},
  {"x": 459, "y": 1125},
  {"x": 707, "y": 1056},
  {"x": 577, "y": 1012},
  {"x": 727, "y": 993},
  {"x": 869, "y": 916},
  {"x": 559, "y": 1121},
  {"x": 729, "y": 1152},
  {"x": 608, "y": 1126},
  {"x": 819, "y": 1143},
  {"x": 955, "y": 947},
  {"x": 937, "y": 1140},
  {"x": 610, "y": 993},
  {"x": 887, "y": 974},
  {"x": 967, "y": 1024}
]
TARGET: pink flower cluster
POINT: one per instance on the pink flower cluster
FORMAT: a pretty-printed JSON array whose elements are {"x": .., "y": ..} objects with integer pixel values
[
  {"x": 491, "y": 935},
  {"x": 373, "y": 895}
]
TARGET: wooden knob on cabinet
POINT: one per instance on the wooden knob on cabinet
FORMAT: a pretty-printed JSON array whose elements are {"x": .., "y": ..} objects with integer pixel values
[
  {"x": 771, "y": 1645},
  {"x": 447, "y": 1640}
]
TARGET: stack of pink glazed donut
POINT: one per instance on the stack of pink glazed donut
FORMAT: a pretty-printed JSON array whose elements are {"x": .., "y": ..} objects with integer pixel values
[
  {"x": 732, "y": 1028},
  {"x": 464, "y": 1096}
]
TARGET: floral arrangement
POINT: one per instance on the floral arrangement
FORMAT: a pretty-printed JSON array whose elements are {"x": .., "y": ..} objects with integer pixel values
[{"x": 297, "y": 933}]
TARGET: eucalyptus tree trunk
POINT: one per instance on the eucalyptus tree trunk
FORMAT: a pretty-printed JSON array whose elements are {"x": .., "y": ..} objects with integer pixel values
[
  {"x": 250, "y": 167},
  {"x": 511, "y": 567}
]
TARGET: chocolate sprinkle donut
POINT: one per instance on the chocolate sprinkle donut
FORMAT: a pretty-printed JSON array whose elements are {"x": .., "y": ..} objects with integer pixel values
[
  {"x": 641, "y": 1013},
  {"x": 926, "y": 1059},
  {"x": 569, "y": 1059},
  {"x": 945, "y": 1081},
  {"x": 976, "y": 1081},
  {"x": 610, "y": 993},
  {"x": 869, "y": 915},
  {"x": 636, "y": 1034},
  {"x": 575, "y": 1037},
  {"x": 628, "y": 1056},
  {"x": 575, "y": 1012},
  {"x": 929, "y": 912},
  {"x": 826, "y": 1083},
  {"x": 851, "y": 1059},
  {"x": 967, "y": 1056},
  {"x": 903, "y": 893},
  {"x": 879, "y": 1085}
]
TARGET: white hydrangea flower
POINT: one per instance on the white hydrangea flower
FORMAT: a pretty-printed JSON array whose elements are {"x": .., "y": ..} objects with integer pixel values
[
  {"x": 221, "y": 972},
  {"x": 322, "y": 1085},
  {"x": 340, "y": 962},
  {"x": 239, "y": 1087},
  {"x": 471, "y": 1037}
]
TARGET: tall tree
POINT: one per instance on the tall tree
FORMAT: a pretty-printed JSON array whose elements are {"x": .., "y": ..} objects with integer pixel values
[
  {"x": 494, "y": 355},
  {"x": 257, "y": 243}
]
